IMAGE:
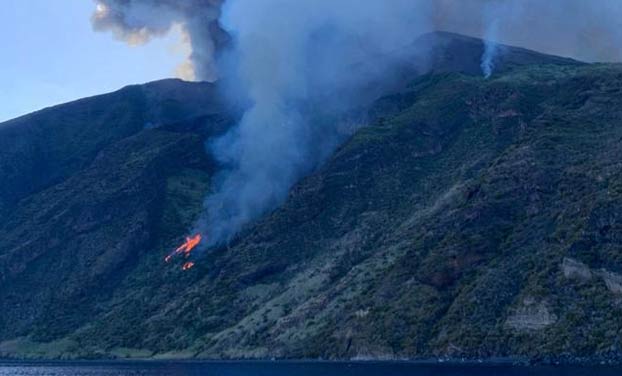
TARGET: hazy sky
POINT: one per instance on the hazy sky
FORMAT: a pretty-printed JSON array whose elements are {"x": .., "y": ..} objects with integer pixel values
[{"x": 49, "y": 54}]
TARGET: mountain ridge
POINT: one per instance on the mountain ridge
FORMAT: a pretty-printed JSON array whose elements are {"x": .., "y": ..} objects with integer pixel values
[{"x": 469, "y": 218}]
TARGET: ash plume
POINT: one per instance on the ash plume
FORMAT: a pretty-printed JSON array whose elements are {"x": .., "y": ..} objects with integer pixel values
[{"x": 137, "y": 21}]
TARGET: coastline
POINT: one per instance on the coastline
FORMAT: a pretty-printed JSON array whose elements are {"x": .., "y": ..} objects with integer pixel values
[{"x": 545, "y": 361}]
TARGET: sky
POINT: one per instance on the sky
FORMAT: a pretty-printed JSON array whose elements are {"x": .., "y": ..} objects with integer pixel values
[{"x": 49, "y": 54}]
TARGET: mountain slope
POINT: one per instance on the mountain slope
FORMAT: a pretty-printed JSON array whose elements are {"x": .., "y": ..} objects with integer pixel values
[
  {"x": 449, "y": 52},
  {"x": 446, "y": 228},
  {"x": 470, "y": 218},
  {"x": 46, "y": 147}
]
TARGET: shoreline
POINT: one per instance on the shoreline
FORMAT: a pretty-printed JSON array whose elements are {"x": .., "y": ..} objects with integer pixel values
[{"x": 443, "y": 361}]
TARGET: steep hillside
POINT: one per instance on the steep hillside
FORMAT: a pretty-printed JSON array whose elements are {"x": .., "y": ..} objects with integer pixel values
[
  {"x": 46, "y": 147},
  {"x": 469, "y": 218}
]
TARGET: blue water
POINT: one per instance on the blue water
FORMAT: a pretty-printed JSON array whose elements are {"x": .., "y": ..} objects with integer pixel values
[{"x": 286, "y": 369}]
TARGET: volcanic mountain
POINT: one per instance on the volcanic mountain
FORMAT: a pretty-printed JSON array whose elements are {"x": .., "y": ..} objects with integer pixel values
[{"x": 468, "y": 218}]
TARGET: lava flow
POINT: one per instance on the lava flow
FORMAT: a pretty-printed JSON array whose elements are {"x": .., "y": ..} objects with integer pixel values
[{"x": 185, "y": 249}]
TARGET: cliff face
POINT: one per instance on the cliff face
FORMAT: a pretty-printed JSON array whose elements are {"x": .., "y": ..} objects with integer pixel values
[{"x": 469, "y": 218}]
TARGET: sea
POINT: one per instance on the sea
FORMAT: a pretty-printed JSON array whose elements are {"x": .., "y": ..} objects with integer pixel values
[{"x": 154, "y": 368}]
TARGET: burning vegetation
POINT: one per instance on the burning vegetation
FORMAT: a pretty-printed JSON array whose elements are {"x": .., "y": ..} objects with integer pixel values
[{"x": 186, "y": 249}]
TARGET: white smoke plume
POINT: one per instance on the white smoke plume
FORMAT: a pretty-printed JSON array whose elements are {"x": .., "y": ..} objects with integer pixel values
[
  {"x": 491, "y": 48},
  {"x": 287, "y": 59},
  {"x": 491, "y": 18},
  {"x": 587, "y": 30},
  {"x": 137, "y": 21},
  {"x": 288, "y": 51},
  {"x": 287, "y": 55}
]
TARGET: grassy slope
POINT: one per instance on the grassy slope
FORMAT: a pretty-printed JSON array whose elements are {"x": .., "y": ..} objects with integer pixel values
[
  {"x": 67, "y": 247},
  {"x": 46, "y": 147},
  {"x": 442, "y": 229},
  {"x": 439, "y": 229}
]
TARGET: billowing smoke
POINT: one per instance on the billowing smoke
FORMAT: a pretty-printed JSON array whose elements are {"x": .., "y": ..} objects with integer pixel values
[
  {"x": 299, "y": 50},
  {"x": 289, "y": 59},
  {"x": 287, "y": 56},
  {"x": 581, "y": 29},
  {"x": 137, "y": 21}
]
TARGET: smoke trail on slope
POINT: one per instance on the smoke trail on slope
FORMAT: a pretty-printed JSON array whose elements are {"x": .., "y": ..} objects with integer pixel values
[
  {"x": 492, "y": 14},
  {"x": 580, "y": 29},
  {"x": 290, "y": 54},
  {"x": 490, "y": 49},
  {"x": 137, "y": 21},
  {"x": 288, "y": 59}
]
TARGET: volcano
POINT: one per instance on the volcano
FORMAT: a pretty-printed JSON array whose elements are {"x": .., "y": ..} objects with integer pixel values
[{"x": 468, "y": 218}]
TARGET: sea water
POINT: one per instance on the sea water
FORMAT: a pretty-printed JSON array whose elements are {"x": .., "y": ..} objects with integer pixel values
[{"x": 149, "y": 368}]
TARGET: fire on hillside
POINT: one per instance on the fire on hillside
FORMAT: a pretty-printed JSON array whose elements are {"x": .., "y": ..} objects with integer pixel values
[{"x": 186, "y": 249}]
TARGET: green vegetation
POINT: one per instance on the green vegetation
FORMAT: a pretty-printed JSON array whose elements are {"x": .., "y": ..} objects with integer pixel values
[{"x": 440, "y": 229}]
